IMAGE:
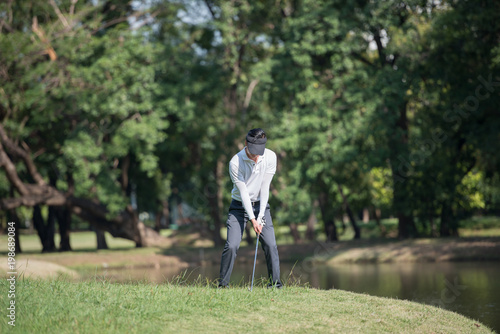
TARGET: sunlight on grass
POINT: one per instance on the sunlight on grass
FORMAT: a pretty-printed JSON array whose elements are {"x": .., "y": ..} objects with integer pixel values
[
  {"x": 97, "y": 306},
  {"x": 85, "y": 240}
]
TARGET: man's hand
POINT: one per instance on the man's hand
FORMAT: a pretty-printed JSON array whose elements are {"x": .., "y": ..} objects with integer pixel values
[{"x": 256, "y": 226}]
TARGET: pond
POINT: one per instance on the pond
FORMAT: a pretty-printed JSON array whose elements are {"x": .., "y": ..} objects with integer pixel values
[{"x": 469, "y": 288}]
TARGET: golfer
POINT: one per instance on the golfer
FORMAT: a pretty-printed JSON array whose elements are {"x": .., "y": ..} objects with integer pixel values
[{"x": 251, "y": 171}]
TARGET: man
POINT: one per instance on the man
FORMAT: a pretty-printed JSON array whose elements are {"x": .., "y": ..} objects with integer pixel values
[{"x": 251, "y": 170}]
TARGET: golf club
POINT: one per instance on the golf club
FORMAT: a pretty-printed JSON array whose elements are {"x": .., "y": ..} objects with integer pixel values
[
  {"x": 255, "y": 260},
  {"x": 256, "y": 248}
]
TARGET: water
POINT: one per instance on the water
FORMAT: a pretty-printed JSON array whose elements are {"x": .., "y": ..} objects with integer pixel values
[{"x": 468, "y": 288}]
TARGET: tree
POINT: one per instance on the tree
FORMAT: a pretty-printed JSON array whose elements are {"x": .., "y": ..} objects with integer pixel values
[
  {"x": 458, "y": 102},
  {"x": 87, "y": 88},
  {"x": 217, "y": 89}
]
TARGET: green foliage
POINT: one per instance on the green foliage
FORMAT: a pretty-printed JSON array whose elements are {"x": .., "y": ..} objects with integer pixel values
[
  {"x": 381, "y": 187},
  {"x": 379, "y": 98}
]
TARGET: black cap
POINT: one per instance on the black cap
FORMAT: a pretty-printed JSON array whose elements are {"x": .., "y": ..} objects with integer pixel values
[{"x": 256, "y": 141}]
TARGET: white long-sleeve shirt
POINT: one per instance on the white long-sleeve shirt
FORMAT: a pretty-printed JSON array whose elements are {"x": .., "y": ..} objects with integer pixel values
[{"x": 252, "y": 179}]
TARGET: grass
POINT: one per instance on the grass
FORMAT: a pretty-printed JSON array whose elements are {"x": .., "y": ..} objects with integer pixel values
[
  {"x": 80, "y": 241},
  {"x": 480, "y": 227},
  {"x": 60, "y": 306}
]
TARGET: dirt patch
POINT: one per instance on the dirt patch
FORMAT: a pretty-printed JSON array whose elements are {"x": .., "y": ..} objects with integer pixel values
[{"x": 78, "y": 265}]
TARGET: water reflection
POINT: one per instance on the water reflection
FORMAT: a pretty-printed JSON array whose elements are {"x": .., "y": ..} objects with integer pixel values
[{"x": 472, "y": 289}]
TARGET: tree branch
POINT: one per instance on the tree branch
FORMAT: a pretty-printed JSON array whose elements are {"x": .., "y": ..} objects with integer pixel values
[
  {"x": 41, "y": 34},
  {"x": 144, "y": 22},
  {"x": 380, "y": 48},
  {"x": 10, "y": 170},
  {"x": 72, "y": 8},
  {"x": 248, "y": 96},
  {"x": 24, "y": 155},
  {"x": 125, "y": 167},
  {"x": 59, "y": 14},
  {"x": 124, "y": 225},
  {"x": 4, "y": 23},
  {"x": 361, "y": 58},
  {"x": 123, "y": 19},
  {"x": 210, "y": 9}
]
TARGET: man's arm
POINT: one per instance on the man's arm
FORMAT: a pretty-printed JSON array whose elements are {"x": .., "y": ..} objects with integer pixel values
[
  {"x": 245, "y": 199},
  {"x": 238, "y": 181},
  {"x": 247, "y": 204},
  {"x": 264, "y": 194},
  {"x": 266, "y": 183}
]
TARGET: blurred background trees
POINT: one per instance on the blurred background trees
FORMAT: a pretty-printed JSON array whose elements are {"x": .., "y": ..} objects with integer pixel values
[{"x": 123, "y": 112}]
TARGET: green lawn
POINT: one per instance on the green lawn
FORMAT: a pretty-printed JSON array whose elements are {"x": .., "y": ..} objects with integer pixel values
[
  {"x": 480, "y": 227},
  {"x": 80, "y": 241},
  {"x": 58, "y": 306}
]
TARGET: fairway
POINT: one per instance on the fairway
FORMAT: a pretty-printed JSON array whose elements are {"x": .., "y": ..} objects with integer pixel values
[{"x": 58, "y": 306}]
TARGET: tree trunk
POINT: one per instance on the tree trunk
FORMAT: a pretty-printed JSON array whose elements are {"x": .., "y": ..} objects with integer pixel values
[
  {"x": 378, "y": 215},
  {"x": 14, "y": 218},
  {"x": 406, "y": 224},
  {"x": 311, "y": 222},
  {"x": 39, "y": 224},
  {"x": 216, "y": 220},
  {"x": 449, "y": 226},
  {"x": 295, "y": 233},
  {"x": 101, "y": 239},
  {"x": 354, "y": 224},
  {"x": 401, "y": 170},
  {"x": 434, "y": 232},
  {"x": 140, "y": 240},
  {"x": 214, "y": 200},
  {"x": 366, "y": 215},
  {"x": 166, "y": 212},
  {"x": 347, "y": 208},
  {"x": 330, "y": 229},
  {"x": 50, "y": 229},
  {"x": 342, "y": 224},
  {"x": 325, "y": 206},
  {"x": 64, "y": 219},
  {"x": 158, "y": 217},
  {"x": 430, "y": 217},
  {"x": 163, "y": 214}
]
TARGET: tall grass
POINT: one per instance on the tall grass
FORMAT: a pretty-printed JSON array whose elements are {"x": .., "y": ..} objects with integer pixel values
[{"x": 187, "y": 306}]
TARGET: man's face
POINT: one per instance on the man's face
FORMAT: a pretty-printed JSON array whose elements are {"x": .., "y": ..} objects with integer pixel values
[{"x": 250, "y": 155}]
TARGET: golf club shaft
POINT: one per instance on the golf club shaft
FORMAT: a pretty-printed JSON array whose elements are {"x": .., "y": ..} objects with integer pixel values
[{"x": 255, "y": 260}]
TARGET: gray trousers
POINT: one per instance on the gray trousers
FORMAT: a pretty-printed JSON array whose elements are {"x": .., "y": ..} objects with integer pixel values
[{"x": 236, "y": 221}]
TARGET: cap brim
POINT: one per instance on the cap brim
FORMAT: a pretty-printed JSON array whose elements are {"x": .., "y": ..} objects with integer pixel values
[{"x": 256, "y": 149}]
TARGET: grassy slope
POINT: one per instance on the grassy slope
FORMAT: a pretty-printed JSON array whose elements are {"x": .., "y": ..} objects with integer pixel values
[{"x": 57, "y": 306}]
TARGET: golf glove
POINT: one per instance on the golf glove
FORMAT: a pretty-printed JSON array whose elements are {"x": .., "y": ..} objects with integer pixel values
[{"x": 261, "y": 221}]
